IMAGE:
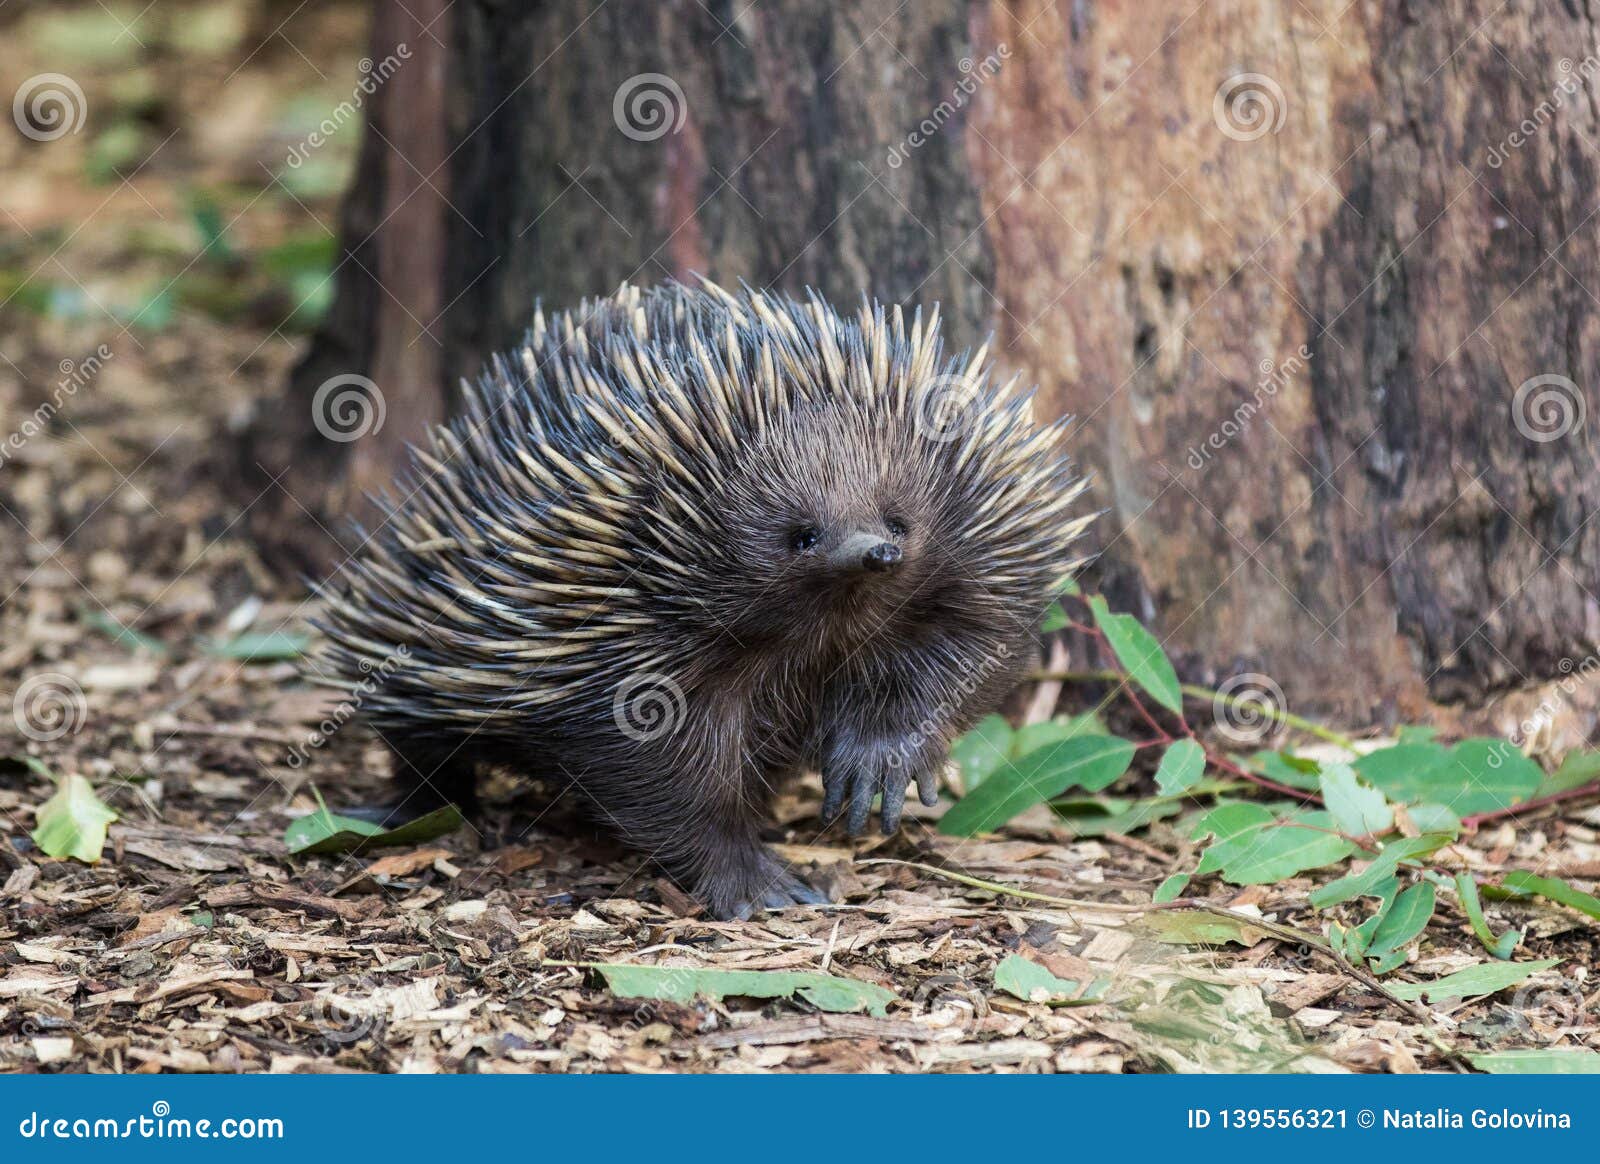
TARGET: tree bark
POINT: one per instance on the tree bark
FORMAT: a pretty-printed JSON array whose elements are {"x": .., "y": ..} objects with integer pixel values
[{"x": 1288, "y": 263}]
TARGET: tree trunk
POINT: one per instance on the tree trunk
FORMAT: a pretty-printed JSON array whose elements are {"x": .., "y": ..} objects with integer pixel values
[{"x": 1289, "y": 263}]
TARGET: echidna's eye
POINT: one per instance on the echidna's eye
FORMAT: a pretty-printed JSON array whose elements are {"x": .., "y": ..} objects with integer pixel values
[
  {"x": 804, "y": 538},
  {"x": 896, "y": 528}
]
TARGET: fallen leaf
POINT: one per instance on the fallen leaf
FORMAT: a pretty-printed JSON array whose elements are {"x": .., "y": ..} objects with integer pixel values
[
  {"x": 1031, "y": 982},
  {"x": 1480, "y": 979},
  {"x": 73, "y": 822},
  {"x": 682, "y": 984},
  {"x": 405, "y": 864},
  {"x": 1533, "y": 1061},
  {"x": 1193, "y": 928},
  {"x": 325, "y": 832},
  {"x": 1295, "y": 996}
]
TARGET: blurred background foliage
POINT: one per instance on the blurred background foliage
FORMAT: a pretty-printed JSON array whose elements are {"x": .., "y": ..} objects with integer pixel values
[{"x": 178, "y": 196}]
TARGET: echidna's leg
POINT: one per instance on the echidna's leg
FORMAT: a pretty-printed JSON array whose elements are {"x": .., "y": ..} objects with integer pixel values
[
  {"x": 858, "y": 767},
  {"x": 738, "y": 879},
  {"x": 702, "y": 829},
  {"x": 900, "y": 736}
]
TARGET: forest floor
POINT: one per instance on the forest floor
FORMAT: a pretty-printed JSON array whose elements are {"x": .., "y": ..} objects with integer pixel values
[{"x": 197, "y": 256}]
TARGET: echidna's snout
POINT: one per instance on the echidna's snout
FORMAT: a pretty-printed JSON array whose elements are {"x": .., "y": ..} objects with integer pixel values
[
  {"x": 882, "y": 558},
  {"x": 867, "y": 551}
]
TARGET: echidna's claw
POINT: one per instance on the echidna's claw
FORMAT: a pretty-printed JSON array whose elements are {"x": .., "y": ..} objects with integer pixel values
[
  {"x": 768, "y": 885},
  {"x": 855, "y": 779}
]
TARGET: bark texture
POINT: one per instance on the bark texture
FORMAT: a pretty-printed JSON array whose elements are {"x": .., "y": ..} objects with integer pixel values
[{"x": 1289, "y": 264}]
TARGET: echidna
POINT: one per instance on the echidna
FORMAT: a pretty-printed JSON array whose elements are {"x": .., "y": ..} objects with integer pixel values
[{"x": 687, "y": 543}]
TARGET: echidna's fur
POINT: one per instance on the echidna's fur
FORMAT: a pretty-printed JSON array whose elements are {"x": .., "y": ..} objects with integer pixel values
[{"x": 601, "y": 571}]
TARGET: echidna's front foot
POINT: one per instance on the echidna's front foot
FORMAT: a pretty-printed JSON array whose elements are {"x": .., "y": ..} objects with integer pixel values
[
  {"x": 762, "y": 881},
  {"x": 853, "y": 776}
]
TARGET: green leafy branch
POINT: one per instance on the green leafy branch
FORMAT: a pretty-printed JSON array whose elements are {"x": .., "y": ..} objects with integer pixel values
[{"x": 1396, "y": 807}]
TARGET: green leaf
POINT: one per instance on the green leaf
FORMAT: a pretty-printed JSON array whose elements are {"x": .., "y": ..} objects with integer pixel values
[
  {"x": 91, "y": 36},
  {"x": 33, "y": 764},
  {"x": 1054, "y": 619},
  {"x": 1353, "y": 941},
  {"x": 326, "y": 832},
  {"x": 123, "y": 636},
  {"x": 1402, "y": 923},
  {"x": 1467, "y": 891},
  {"x": 983, "y": 749},
  {"x": 1287, "y": 768},
  {"x": 1577, "y": 769},
  {"x": 1357, "y": 809},
  {"x": 1338, "y": 940},
  {"x": 1140, "y": 655},
  {"x": 1194, "y": 928},
  {"x": 118, "y": 150},
  {"x": 154, "y": 312},
  {"x": 682, "y": 985},
  {"x": 72, "y": 823},
  {"x": 1031, "y": 736},
  {"x": 1358, "y": 943},
  {"x": 1231, "y": 820},
  {"x": 1539, "y": 1062},
  {"x": 1171, "y": 889},
  {"x": 311, "y": 252},
  {"x": 1081, "y": 807},
  {"x": 1388, "y": 961},
  {"x": 265, "y": 647},
  {"x": 1089, "y": 762},
  {"x": 1402, "y": 771},
  {"x": 1369, "y": 882},
  {"x": 1181, "y": 767},
  {"x": 1522, "y": 882},
  {"x": 1477, "y": 775},
  {"x": 1097, "y": 817},
  {"x": 1472, "y": 982},
  {"x": 208, "y": 224},
  {"x": 1230, "y": 827},
  {"x": 1434, "y": 818},
  {"x": 1265, "y": 849},
  {"x": 1497, "y": 776},
  {"x": 1031, "y": 982}
]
